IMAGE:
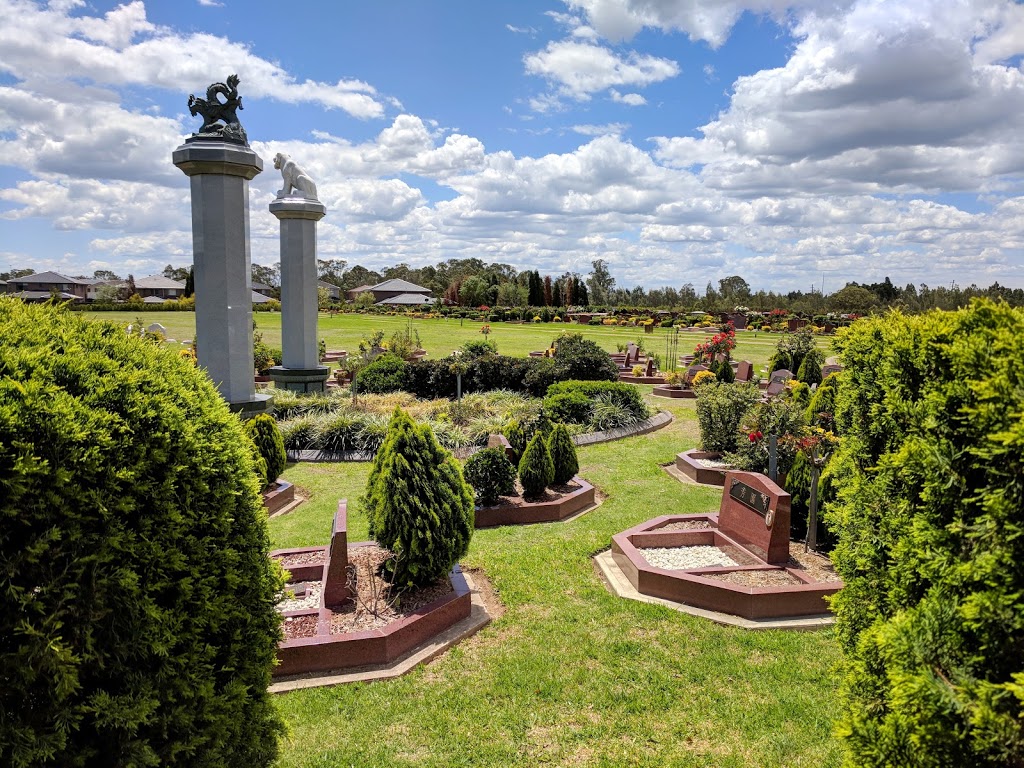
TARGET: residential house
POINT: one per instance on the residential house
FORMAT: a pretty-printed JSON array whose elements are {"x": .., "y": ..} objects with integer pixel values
[
  {"x": 42, "y": 285},
  {"x": 333, "y": 291},
  {"x": 160, "y": 287}
]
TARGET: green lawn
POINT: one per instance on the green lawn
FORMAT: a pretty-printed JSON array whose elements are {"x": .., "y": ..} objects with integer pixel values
[
  {"x": 570, "y": 675},
  {"x": 441, "y": 336}
]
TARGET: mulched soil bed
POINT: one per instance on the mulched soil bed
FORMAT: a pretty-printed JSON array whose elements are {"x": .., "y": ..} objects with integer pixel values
[
  {"x": 302, "y": 558},
  {"x": 551, "y": 493},
  {"x": 372, "y": 608},
  {"x": 755, "y": 578},
  {"x": 685, "y": 525},
  {"x": 299, "y": 626},
  {"x": 816, "y": 566}
]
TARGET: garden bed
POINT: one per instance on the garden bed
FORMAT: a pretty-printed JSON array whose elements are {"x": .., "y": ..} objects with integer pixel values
[
  {"x": 702, "y": 467},
  {"x": 674, "y": 392},
  {"x": 280, "y": 495},
  {"x": 558, "y": 503}
]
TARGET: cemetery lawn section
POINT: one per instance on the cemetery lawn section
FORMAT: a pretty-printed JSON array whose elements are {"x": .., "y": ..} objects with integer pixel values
[
  {"x": 570, "y": 675},
  {"x": 441, "y": 336}
]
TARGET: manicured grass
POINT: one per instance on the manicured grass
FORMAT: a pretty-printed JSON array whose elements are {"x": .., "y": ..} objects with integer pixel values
[
  {"x": 572, "y": 675},
  {"x": 440, "y": 337}
]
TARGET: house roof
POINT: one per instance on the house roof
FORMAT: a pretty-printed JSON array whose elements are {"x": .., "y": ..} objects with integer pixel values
[
  {"x": 262, "y": 287},
  {"x": 157, "y": 281},
  {"x": 50, "y": 277},
  {"x": 411, "y": 299},
  {"x": 360, "y": 289},
  {"x": 400, "y": 285},
  {"x": 43, "y": 295},
  {"x": 259, "y": 298},
  {"x": 153, "y": 300}
]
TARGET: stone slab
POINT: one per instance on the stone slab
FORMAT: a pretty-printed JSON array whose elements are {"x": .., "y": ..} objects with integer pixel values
[{"x": 766, "y": 534}]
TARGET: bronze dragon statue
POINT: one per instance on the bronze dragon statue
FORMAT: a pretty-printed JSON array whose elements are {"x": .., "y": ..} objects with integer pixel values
[{"x": 215, "y": 111}]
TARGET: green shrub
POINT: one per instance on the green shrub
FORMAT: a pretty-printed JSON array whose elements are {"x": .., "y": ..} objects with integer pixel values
[
  {"x": 931, "y": 538},
  {"x": 780, "y": 361},
  {"x": 418, "y": 505},
  {"x": 720, "y": 408},
  {"x": 568, "y": 407},
  {"x": 536, "y": 470},
  {"x": 385, "y": 374},
  {"x": 582, "y": 359},
  {"x": 821, "y": 410},
  {"x": 723, "y": 372},
  {"x": 779, "y": 416},
  {"x": 810, "y": 368},
  {"x": 491, "y": 474},
  {"x": 137, "y": 621},
  {"x": 624, "y": 395},
  {"x": 432, "y": 379},
  {"x": 563, "y": 455},
  {"x": 517, "y": 438},
  {"x": 269, "y": 444},
  {"x": 479, "y": 347},
  {"x": 792, "y": 348}
]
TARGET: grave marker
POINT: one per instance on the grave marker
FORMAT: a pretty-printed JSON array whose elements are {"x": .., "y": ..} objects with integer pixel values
[{"x": 755, "y": 512}]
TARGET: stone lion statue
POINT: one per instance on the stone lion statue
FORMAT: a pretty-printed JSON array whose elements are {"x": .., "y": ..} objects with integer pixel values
[{"x": 294, "y": 178}]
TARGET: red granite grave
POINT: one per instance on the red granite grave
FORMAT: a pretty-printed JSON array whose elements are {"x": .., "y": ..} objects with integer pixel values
[
  {"x": 752, "y": 528},
  {"x": 324, "y": 651}
]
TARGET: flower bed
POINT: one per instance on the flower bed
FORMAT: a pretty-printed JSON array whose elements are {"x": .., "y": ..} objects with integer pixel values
[{"x": 558, "y": 503}]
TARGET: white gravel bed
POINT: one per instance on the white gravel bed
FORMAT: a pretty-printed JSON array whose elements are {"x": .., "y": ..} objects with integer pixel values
[
  {"x": 311, "y": 600},
  {"x": 686, "y": 558},
  {"x": 714, "y": 464}
]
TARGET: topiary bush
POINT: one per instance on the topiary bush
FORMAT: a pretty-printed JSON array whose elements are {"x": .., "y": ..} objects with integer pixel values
[
  {"x": 930, "y": 487},
  {"x": 385, "y": 374},
  {"x": 563, "y": 455},
  {"x": 491, "y": 474},
  {"x": 417, "y": 504},
  {"x": 269, "y": 445},
  {"x": 810, "y": 367},
  {"x": 137, "y": 620},
  {"x": 720, "y": 408},
  {"x": 536, "y": 470}
]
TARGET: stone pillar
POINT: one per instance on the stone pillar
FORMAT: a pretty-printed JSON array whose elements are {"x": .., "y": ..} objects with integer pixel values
[
  {"x": 219, "y": 172},
  {"x": 300, "y": 368}
]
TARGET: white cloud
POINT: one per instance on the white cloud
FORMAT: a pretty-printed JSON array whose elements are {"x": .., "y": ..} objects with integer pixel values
[
  {"x": 629, "y": 99},
  {"x": 580, "y": 69},
  {"x": 608, "y": 129}
]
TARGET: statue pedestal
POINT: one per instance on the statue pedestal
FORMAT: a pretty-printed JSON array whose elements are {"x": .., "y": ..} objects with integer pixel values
[
  {"x": 300, "y": 368},
  {"x": 219, "y": 173}
]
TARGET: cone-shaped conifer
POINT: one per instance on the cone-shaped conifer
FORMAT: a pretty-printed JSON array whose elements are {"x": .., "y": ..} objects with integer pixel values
[
  {"x": 536, "y": 470},
  {"x": 563, "y": 455}
]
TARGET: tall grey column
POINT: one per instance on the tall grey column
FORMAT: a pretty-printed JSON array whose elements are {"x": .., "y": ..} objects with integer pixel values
[
  {"x": 219, "y": 172},
  {"x": 300, "y": 368}
]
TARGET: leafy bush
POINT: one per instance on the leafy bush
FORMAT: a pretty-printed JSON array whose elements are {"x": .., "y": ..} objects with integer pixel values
[
  {"x": 779, "y": 416},
  {"x": 269, "y": 444},
  {"x": 702, "y": 377},
  {"x": 536, "y": 470},
  {"x": 568, "y": 407},
  {"x": 821, "y": 410},
  {"x": 479, "y": 347},
  {"x": 385, "y": 374},
  {"x": 720, "y": 408},
  {"x": 723, "y": 372},
  {"x": 432, "y": 379},
  {"x": 563, "y": 455},
  {"x": 491, "y": 474},
  {"x": 137, "y": 609},
  {"x": 623, "y": 395},
  {"x": 810, "y": 367},
  {"x": 931, "y": 538},
  {"x": 582, "y": 359},
  {"x": 791, "y": 350},
  {"x": 418, "y": 505}
]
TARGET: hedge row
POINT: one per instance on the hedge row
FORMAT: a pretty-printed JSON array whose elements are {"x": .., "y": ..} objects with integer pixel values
[{"x": 930, "y": 487}]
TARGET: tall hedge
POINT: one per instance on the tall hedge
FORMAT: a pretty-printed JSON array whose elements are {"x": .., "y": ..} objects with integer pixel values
[
  {"x": 137, "y": 621},
  {"x": 418, "y": 504},
  {"x": 930, "y": 481}
]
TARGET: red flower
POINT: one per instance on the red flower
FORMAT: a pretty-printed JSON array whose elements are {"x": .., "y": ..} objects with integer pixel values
[{"x": 755, "y": 436}]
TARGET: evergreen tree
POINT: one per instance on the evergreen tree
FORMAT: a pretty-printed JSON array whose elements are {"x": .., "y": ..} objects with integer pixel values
[
  {"x": 417, "y": 503},
  {"x": 265, "y": 435},
  {"x": 536, "y": 470},
  {"x": 190, "y": 282},
  {"x": 536, "y": 289},
  {"x": 563, "y": 455}
]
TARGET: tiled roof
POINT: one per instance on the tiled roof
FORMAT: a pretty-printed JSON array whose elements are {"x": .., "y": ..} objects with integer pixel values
[
  {"x": 414, "y": 299},
  {"x": 400, "y": 285}
]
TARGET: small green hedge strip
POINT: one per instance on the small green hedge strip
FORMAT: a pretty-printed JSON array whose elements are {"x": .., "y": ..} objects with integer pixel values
[
  {"x": 137, "y": 620},
  {"x": 930, "y": 486},
  {"x": 418, "y": 505},
  {"x": 265, "y": 435}
]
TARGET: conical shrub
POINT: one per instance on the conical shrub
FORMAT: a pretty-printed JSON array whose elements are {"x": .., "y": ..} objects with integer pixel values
[
  {"x": 418, "y": 505},
  {"x": 269, "y": 445},
  {"x": 563, "y": 455},
  {"x": 536, "y": 470}
]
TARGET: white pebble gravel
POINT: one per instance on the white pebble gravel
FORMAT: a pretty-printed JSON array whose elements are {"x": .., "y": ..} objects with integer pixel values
[
  {"x": 686, "y": 558},
  {"x": 311, "y": 600},
  {"x": 714, "y": 464}
]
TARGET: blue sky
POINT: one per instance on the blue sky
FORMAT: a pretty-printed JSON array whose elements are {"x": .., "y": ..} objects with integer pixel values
[{"x": 682, "y": 141}]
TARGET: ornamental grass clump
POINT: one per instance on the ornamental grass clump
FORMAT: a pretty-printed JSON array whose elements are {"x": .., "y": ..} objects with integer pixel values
[
  {"x": 417, "y": 504},
  {"x": 137, "y": 620},
  {"x": 491, "y": 474},
  {"x": 930, "y": 487},
  {"x": 563, "y": 455},
  {"x": 536, "y": 470},
  {"x": 265, "y": 435}
]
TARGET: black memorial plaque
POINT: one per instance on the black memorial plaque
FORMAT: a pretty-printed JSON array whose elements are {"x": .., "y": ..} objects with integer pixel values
[{"x": 750, "y": 497}]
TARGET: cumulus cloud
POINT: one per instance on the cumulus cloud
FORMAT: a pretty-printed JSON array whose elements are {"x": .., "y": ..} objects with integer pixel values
[
  {"x": 629, "y": 99},
  {"x": 124, "y": 48},
  {"x": 580, "y": 69}
]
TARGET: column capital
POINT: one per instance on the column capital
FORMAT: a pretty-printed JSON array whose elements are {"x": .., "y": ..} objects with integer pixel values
[
  {"x": 204, "y": 156},
  {"x": 298, "y": 208}
]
